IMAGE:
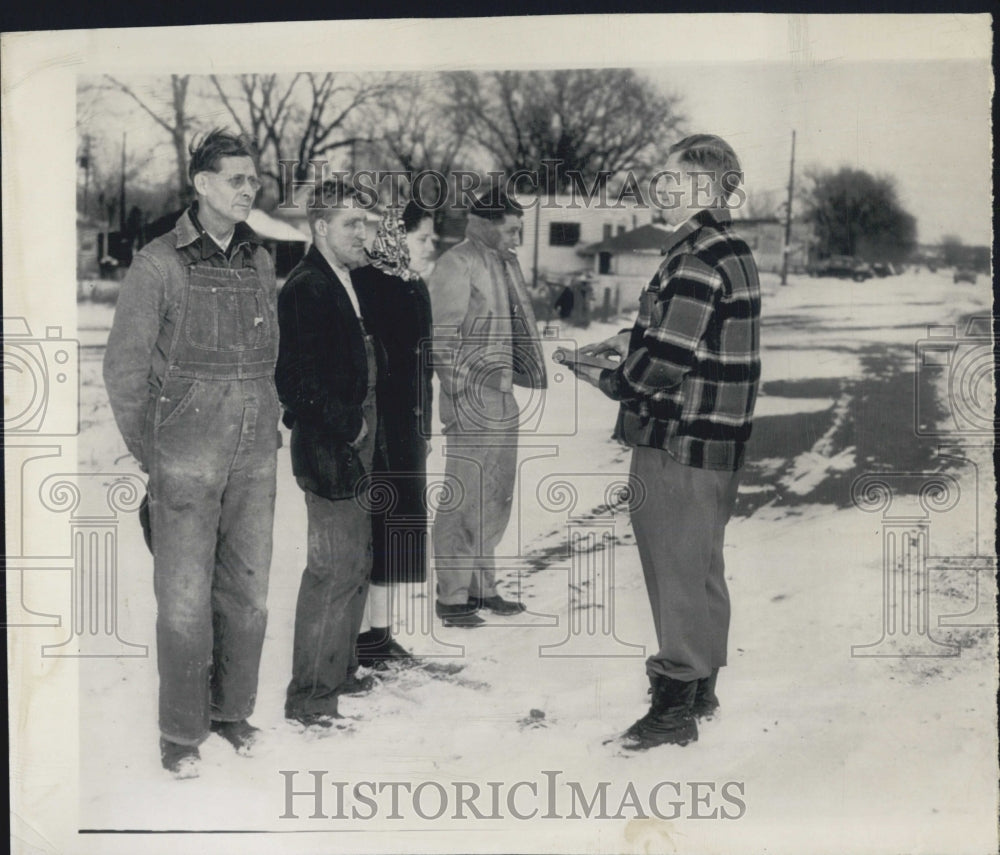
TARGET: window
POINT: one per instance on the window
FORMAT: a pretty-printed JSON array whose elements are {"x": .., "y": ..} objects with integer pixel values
[
  {"x": 607, "y": 231},
  {"x": 564, "y": 234}
]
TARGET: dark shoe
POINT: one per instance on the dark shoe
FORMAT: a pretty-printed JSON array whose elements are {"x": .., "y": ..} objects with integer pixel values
[
  {"x": 372, "y": 639},
  {"x": 670, "y": 720},
  {"x": 458, "y": 615},
  {"x": 181, "y": 761},
  {"x": 498, "y": 605},
  {"x": 636, "y": 727},
  {"x": 706, "y": 702},
  {"x": 311, "y": 720},
  {"x": 240, "y": 734},
  {"x": 355, "y": 686},
  {"x": 382, "y": 653}
]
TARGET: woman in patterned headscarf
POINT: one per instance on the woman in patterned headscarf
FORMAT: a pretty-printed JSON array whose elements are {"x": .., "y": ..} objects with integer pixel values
[{"x": 397, "y": 310}]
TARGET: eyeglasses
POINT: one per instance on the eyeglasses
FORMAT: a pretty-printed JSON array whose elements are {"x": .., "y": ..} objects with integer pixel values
[{"x": 237, "y": 181}]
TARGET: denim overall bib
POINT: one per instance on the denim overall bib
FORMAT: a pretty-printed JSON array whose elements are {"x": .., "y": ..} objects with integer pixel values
[{"x": 213, "y": 434}]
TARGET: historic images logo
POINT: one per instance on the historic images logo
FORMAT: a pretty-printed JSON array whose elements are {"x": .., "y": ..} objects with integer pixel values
[
  {"x": 958, "y": 400},
  {"x": 313, "y": 795},
  {"x": 953, "y": 400},
  {"x": 41, "y": 379},
  {"x": 42, "y": 399}
]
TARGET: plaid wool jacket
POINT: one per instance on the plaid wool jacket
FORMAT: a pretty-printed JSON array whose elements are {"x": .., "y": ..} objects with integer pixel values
[{"x": 689, "y": 383}]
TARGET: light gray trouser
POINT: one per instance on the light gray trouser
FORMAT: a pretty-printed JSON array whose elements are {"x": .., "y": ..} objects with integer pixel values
[
  {"x": 481, "y": 450},
  {"x": 679, "y": 527}
]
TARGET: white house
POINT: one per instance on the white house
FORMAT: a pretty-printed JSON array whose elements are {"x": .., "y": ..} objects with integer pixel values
[
  {"x": 553, "y": 231},
  {"x": 625, "y": 262}
]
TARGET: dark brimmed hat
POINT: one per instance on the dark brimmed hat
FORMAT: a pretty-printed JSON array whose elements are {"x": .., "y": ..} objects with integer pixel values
[{"x": 494, "y": 205}]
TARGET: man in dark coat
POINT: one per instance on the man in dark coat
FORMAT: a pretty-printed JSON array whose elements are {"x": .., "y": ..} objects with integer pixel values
[{"x": 326, "y": 378}]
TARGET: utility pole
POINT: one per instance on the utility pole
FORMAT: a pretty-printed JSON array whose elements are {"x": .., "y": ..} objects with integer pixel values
[
  {"x": 121, "y": 195},
  {"x": 534, "y": 260},
  {"x": 86, "y": 175},
  {"x": 788, "y": 217}
]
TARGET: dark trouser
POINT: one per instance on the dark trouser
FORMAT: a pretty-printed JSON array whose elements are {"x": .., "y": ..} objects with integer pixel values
[
  {"x": 483, "y": 462},
  {"x": 331, "y": 603},
  {"x": 334, "y": 586},
  {"x": 679, "y": 529},
  {"x": 212, "y": 488}
]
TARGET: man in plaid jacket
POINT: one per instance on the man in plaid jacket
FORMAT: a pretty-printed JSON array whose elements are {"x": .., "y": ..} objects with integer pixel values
[{"x": 687, "y": 384}]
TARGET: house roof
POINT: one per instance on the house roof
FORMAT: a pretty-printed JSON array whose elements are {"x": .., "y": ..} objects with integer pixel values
[
  {"x": 271, "y": 228},
  {"x": 648, "y": 238}
]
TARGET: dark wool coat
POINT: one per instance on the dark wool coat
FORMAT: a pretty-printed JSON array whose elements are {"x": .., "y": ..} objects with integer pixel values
[
  {"x": 322, "y": 377},
  {"x": 398, "y": 313}
]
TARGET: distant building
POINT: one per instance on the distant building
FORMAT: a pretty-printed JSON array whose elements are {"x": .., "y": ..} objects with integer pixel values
[
  {"x": 554, "y": 232},
  {"x": 766, "y": 239},
  {"x": 632, "y": 253},
  {"x": 624, "y": 263}
]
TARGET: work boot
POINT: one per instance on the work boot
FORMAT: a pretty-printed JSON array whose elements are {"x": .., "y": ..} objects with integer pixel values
[
  {"x": 706, "y": 702},
  {"x": 498, "y": 605},
  {"x": 240, "y": 734},
  {"x": 670, "y": 720},
  {"x": 181, "y": 761},
  {"x": 460, "y": 614},
  {"x": 636, "y": 726}
]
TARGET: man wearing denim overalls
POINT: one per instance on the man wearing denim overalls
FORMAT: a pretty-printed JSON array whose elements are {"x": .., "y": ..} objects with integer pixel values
[{"x": 189, "y": 371}]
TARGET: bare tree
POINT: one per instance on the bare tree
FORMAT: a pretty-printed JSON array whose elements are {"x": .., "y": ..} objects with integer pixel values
[
  {"x": 327, "y": 119},
  {"x": 596, "y": 122},
  {"x": 301, "y": 117},
  {"x": 171, "y": 114},
  {"x": 262, "y": 106},
  {"x": 411, "y": 126}
]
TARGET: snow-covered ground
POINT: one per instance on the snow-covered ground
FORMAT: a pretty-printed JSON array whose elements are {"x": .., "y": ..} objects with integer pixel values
[{"x": 822, "y": 745}]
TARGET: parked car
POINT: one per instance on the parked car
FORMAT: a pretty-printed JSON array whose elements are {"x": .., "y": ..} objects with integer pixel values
[
  {"x": 843, "y": 267},
  {"x": 965, "y": 275},
  {"x": 884, "y": 268}
]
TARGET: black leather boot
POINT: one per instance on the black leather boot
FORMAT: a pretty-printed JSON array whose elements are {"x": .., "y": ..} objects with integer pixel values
[
  {"x": 706, "y": 702},
  {"x": 670, "y": 720}
]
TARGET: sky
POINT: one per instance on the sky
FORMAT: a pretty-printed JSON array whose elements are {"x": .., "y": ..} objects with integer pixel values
[
  {"x": 904, "y": 96},
  {"x": 925, "y": 123}
]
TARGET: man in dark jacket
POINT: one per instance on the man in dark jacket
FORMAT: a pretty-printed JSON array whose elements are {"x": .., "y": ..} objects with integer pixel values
[{"x": 326, "y": 377}]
